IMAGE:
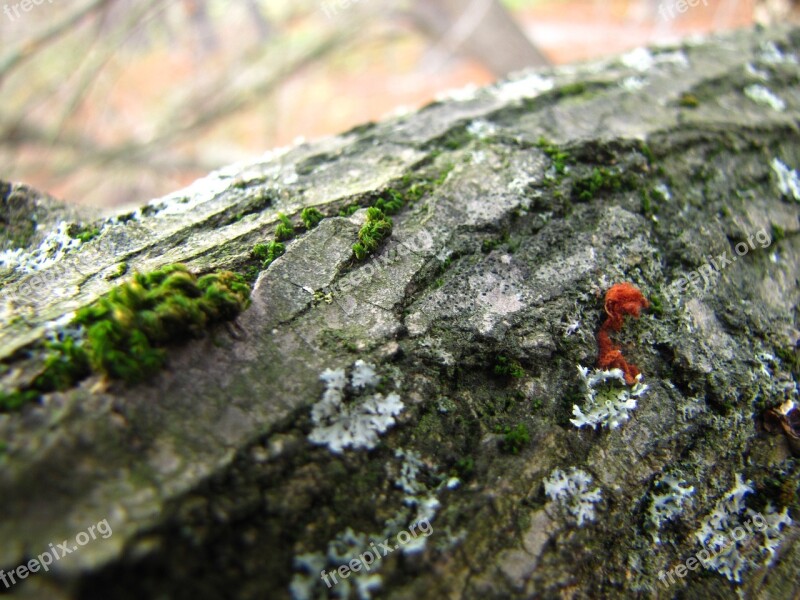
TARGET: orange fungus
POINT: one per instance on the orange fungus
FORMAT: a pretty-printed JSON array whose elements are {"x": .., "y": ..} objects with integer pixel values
[{"x": 621, "y": 299}]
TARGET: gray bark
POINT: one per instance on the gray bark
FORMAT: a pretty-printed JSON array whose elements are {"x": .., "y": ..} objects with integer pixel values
[{"x": 207, "y": 475}]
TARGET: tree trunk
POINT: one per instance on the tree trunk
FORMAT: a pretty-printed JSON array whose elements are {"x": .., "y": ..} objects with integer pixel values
[
  {"x": 237, "y": 471},
  {"x": 483, "y": 30}
]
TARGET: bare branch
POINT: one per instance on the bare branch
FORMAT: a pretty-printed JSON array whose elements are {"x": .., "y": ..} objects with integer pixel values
[{"x": 26, "y": 50}]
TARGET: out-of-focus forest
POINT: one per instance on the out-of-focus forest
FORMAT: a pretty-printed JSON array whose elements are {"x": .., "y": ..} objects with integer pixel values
[{"x": 114, "y": 102}]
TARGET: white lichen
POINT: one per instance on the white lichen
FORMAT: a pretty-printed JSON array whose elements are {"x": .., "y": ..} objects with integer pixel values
[
  {"x": 55, "y": 246},
  {"x": 463, "y": 94},
  {"x": 731, "y": 554},
  {"x": 691, "y": 409},
  {"x": 417, "y": 496},
  {"x": 481, "y": 128},
  {"x": 606, "y": 405},
  {"x": 754, "y": 71},
  {"x": 307, "y": 583},
  {"x": 356, "y": 423},
  {"x": 771, "y": 54},
  {"x": 763, "y": 95},
  {"x": 773, "y": 530},
  {"x": 572, "y": 327},
  {"x": 665, "y": 507},
  {"x": 633, "y": 83},
  {"x": 788, "y": 179},
  {"x": 642, "y": 59},
  {"x": 571, "y": 491},
  {"x": 663, "y": 189},
  {"x": 410, "y": 468},
  {"x": 528, "y": 86},
  {"x": 364, "y": 375}
]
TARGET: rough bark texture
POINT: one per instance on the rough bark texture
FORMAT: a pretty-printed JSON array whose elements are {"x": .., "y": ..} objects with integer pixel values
[{"x": 206, "y": 473}]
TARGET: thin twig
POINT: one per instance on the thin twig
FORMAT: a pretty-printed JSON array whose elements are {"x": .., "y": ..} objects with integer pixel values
[{"x": 27, "y": 49}]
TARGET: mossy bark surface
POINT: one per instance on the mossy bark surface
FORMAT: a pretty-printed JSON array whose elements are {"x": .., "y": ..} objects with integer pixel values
[{"x": 522, "y": 203}]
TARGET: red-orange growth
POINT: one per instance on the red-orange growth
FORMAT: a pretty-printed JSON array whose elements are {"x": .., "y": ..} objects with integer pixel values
[{"x": 621, "y": 299}]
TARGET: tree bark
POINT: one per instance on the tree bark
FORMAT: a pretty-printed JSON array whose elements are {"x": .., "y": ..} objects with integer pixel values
[{"x": 523, "y": 203}]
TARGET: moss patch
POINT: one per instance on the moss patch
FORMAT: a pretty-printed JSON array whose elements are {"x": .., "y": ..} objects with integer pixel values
[
  {"x": 311, "y": 217},
  {"x": 508, "y": 367},
  {"x": 285, "y": 229},
  {"x": 514, "y": 439},
  {"x": 558, "y": 156},
  {"x": 124, "y": 332},
  {"x": 377, "y": 228},
  {"x": 600, "y": 180},
  {"x": 84, "y": 233}
]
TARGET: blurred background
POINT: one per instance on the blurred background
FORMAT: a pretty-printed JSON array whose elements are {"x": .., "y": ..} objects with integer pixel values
[{"x": 115, "y": 102}]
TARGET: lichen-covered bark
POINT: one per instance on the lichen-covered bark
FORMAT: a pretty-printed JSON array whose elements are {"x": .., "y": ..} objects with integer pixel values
[{"x": 536, "y": 196}]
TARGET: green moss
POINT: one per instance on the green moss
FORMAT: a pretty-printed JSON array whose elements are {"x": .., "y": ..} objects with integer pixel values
[
  {"x": 600, "y": 180},
  {"x": 410, "y": 189},
  {"x": 647, "y": 153},
  {"x": 778, "y": 488},
  {"x": 349, "y": 209},
  {"x": 571, "y": 89},
  {"x": 321, "y": 296},
  {"x": 84, "y": 233},
  {"x": 333, "y": 338},
  {"x": 285, "y": 230},
  {"x": 429, "y": 428},
  {"x": 465, "y": 467},
  {"x": 456, "y": 139},
  {"x": 514, "y": 244},
  {"x": 559, "y": 157},
  {"x": 791, "y": 358},
  {"x": 508, "y": 367},
  {"x": 376, "y": 229},
  {"x": 439, "y": 180},
  {"x": 514, "y": 439},
  {"x": 777, "y": 233},
  {"x": 490, "y": 244},
  {"x": 268, "y": 252},
  {"x": 122, "y": 268},
  {"x": 311, "y": 217},
  {"x": 126, "y": 330},
  {"x": 688, "y": 101},
  {"x": 10, "y": 401},
  {"x": 647, "y": 203},
  {"x": 260, "y": 251},
  {"x": 391, "y": 202},
  {"x": 656, "y": 305},
  {"x": 251, "y": 273},
  {"x": 66, "y": 362}
]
